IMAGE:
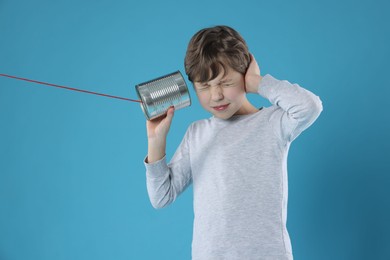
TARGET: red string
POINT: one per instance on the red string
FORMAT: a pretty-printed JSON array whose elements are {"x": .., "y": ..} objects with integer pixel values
[{"x": 74, "y": 89}]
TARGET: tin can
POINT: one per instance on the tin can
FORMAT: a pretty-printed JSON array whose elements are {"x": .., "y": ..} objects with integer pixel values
[{"x": 157, "y": 95}]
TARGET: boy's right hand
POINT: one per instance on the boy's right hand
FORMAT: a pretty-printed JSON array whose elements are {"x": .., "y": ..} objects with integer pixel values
[{"x": 157, "y": 130}]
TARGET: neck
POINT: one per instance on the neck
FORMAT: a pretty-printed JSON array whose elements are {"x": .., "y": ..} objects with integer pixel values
[{"x": 246, "y": 108}]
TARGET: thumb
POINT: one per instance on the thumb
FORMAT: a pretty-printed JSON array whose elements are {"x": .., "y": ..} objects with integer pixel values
[{"x": 169, "y": 116}]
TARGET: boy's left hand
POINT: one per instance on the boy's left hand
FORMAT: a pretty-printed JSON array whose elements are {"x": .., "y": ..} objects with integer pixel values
[{"x": 252, "y": 76}]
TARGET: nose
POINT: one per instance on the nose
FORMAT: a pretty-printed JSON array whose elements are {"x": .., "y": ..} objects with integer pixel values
[{"x": 216, "y": 93}]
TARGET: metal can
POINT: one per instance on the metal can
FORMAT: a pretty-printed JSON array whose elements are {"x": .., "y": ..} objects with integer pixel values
[{"x": 157, "y": 95}]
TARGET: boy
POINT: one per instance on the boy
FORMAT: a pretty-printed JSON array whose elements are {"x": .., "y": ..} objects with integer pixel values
[{"x": 236, "y": 159}]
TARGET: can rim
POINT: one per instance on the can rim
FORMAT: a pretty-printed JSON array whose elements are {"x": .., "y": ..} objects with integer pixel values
[{"x": 142, "y": 104}]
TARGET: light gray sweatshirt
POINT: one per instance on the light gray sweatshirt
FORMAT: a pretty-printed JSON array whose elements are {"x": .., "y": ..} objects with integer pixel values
[{"x": 238, "y": 168}]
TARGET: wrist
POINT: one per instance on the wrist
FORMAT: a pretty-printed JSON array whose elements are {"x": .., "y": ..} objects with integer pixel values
[
  {"x": 156, "y": 150},
  {"x": 258, "y": 84},
  {"x": 254, "y": 84}
]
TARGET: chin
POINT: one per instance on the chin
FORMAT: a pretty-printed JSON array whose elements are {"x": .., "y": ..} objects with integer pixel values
[{"x": 222, "y": 116}]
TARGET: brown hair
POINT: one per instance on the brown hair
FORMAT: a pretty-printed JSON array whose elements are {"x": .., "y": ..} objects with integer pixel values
[{"x": 214, "y": 49}]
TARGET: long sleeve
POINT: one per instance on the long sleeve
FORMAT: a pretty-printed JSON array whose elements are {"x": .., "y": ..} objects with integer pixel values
[
  {"x": 167, "y": 181},
  {"x": 299, "y": 107}
]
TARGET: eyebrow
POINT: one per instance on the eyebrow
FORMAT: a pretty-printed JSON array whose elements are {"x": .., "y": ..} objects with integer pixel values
[
  {"x": 224, "y": 80},
  {"x": 221, "y": 81}
]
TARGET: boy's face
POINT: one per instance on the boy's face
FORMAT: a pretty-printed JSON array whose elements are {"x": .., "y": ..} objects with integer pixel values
[{"x": 223, "y": 96}]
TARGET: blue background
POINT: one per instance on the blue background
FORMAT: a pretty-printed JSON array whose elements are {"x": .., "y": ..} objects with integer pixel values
[{"x": 72, "y": 180}]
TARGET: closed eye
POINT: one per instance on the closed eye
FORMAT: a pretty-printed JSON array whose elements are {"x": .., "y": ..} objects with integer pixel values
[{"x": 203, "y": 87}]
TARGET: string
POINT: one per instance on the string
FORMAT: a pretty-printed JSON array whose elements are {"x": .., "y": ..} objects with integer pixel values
[{"x": 68, "y": 88}]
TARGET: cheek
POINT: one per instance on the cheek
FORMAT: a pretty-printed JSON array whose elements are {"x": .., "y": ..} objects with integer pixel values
[
  {"x": 203, "y": 98},
  {"x": 234, "y": 93}
]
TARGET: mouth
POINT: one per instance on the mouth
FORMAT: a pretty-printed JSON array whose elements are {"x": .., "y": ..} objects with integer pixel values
[{"x": 221, "y": 108}]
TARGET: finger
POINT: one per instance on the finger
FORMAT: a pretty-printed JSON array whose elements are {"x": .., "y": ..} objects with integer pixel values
[
  {"x": 154, "y": 121},
  {"x": 168, "y": 117},
  {"x": 170, "y": 113}
]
